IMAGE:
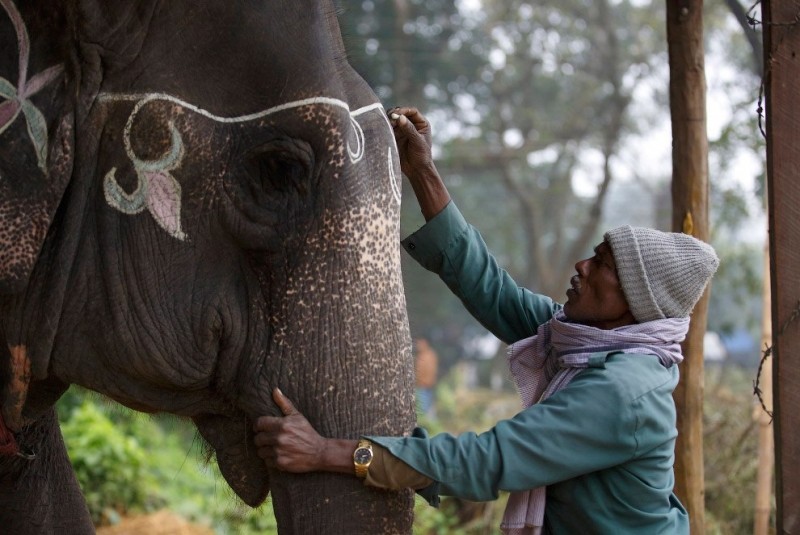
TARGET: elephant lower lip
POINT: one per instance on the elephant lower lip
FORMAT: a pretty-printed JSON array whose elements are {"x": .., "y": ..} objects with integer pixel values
[{"x": 232, "y": 440}]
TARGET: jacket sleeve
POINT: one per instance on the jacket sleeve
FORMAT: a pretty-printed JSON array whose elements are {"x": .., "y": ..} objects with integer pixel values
[
  {"x": 585, "y": 427},
  {"x": 449, "y": 246}
]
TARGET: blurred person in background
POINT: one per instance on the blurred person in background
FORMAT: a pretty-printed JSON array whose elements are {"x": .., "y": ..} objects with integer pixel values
[{"x": 426, "y": 369}]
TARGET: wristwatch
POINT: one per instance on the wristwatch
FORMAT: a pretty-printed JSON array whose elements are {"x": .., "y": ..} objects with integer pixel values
[{"x": 362, "y": 457}]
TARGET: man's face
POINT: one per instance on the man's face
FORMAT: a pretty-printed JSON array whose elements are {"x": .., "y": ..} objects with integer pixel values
[{"x": 596, "y": 296}]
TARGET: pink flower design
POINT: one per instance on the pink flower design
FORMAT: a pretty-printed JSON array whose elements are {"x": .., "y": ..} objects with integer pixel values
[
  {"x": 157, "y": 191},
  {"x": 164, "y": 202}
]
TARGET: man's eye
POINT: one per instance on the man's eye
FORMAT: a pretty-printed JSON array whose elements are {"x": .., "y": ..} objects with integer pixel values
[{"x": 605, "y": 262}]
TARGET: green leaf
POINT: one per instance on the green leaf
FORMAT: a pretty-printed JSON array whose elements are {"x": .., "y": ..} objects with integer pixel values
[
  {"x": 7, "y": 89},
  {"x": 37, "y": 129}
]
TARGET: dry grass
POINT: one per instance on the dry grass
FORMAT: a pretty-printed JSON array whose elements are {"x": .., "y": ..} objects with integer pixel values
[{"x": 159, "y": 523}]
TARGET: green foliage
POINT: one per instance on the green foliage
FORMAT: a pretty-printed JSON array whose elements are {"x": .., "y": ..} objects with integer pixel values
[
  {"x": 128, "y": 462},
  {"x": 458, "y": 517},
  {"x": 110, "y": 465},
  {"x": 461, "y": 409},
  {"x": 432, "y": 521},
  {"x": 735, "y": 302}
]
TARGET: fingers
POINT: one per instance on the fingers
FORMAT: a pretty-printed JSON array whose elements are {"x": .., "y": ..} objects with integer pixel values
[
  {"x": 267, "y": 438},
  {"x": 406, "y": 131},
  {"x": 398, "y": 119},
  {"x": 401, "y": 117},
  {"x": 283, "y": 402},
  {"x": 287, "y": 442},
  {"x": 274, "y": 440},
  {"x": 408, "y": 111},
  {"x": 264, "y": 426},
  {"x": 267, "y": 429},
  {"x": 268, "y": 455},
  {"x": 402, "y": 110},
  {"x": 271, "y": 424}
]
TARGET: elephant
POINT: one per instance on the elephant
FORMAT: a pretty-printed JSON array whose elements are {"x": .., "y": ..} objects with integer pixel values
[{"x": 199, "y": 201}]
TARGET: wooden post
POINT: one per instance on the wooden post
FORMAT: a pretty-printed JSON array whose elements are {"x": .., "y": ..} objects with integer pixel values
[
  {"x": 766, "y": 444},
  {"x": 782, "y": 76},
  {"x": 690, "y": 215}
]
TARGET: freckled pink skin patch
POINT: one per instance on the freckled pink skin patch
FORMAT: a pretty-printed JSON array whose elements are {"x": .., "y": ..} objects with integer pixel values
[{"x": 18, "y": 386}]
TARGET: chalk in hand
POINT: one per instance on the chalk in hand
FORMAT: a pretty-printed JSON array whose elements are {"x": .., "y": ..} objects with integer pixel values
[{"x": 395, "y": 116}]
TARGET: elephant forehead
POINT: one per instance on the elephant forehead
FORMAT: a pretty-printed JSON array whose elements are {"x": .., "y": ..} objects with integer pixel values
[
  {"x": 161, "y": 131},
  {"x": 252, "y": 55}
]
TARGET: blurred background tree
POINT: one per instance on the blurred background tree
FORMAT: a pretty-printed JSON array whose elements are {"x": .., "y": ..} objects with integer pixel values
[{"x": 551, "y": 125}]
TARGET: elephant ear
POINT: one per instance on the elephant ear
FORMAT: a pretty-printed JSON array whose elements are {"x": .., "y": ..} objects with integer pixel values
[{"x": 36, "y": 137}]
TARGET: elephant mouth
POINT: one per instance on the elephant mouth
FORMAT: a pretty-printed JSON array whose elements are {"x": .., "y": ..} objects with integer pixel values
[{"x": 232, "y": 441}]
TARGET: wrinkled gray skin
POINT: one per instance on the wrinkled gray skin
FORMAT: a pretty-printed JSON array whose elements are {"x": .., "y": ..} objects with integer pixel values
[{"x": 214, "y": 248}]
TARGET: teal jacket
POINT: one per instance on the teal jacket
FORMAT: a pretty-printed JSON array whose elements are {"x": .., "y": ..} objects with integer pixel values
[{"x": 604, "y": 445}]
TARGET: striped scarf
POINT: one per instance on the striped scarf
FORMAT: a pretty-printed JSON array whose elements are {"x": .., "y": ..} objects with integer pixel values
[{"x": 546, "y": 362}]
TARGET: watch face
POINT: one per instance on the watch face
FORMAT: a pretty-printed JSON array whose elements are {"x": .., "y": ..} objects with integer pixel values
[{"x": 362, "y": 456}]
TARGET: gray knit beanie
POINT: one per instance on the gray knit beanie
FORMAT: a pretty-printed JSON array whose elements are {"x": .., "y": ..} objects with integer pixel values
[{"x": 663, "y": 274}]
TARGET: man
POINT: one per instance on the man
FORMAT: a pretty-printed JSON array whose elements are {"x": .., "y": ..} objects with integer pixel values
[{"x": 593, "y": 449}]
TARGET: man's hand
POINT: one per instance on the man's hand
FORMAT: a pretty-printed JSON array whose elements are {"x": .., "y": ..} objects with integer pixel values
[
  {"x": 289, "y": 442},
  {"x": 413, "y": 135}
]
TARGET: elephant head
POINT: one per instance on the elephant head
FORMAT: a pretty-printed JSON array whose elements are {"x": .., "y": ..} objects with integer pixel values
[{"x": 199, "y": 201}]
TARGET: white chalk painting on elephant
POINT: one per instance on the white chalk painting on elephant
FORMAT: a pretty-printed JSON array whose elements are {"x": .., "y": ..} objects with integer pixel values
[{"x": 160, "y": 193}]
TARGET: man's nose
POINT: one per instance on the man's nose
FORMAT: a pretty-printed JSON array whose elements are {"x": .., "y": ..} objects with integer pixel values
[{"x": 580, "y": 266}]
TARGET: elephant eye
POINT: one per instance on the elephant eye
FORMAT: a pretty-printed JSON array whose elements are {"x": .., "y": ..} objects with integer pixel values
[{"x": 283, "y": 166}]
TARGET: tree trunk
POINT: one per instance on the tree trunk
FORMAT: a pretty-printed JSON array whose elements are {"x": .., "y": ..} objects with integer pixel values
[
  {"x": 689, "y": 215},
  {"x": 782, "y": 77},
  {"x": 766, "y": 443}
]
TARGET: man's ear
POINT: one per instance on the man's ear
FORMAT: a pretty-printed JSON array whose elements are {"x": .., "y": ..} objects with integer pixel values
[{"x": 36, "y": 135}]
